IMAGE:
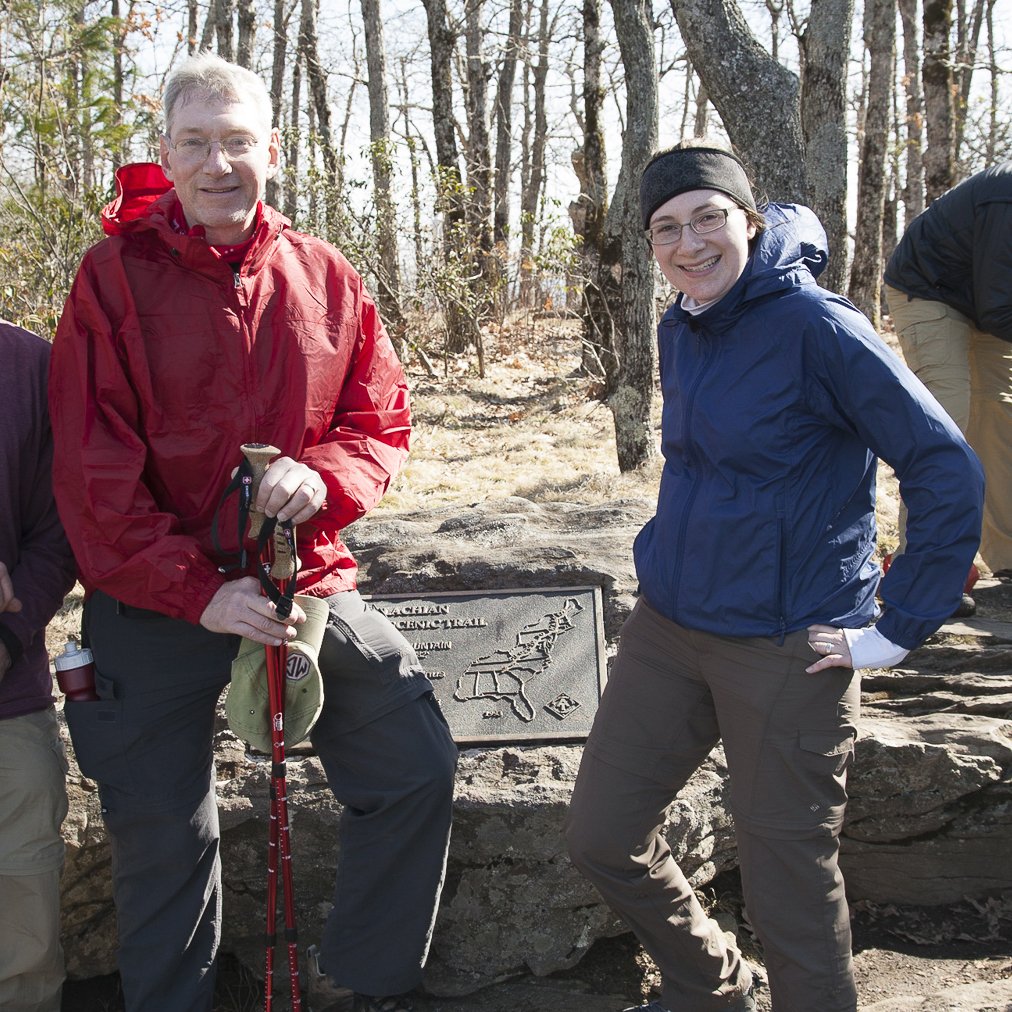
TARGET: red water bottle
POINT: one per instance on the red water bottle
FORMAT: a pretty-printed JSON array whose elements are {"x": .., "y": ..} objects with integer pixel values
[{"x": 75, "y": 673}]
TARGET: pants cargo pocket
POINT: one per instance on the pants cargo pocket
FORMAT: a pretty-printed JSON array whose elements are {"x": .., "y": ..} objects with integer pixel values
[
  {"x": 825, "y": 758},
  {"x": 96, "y": 732}
]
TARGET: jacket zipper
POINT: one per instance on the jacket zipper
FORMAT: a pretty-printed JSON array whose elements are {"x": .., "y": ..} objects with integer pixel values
[
  {"x": 781, "y": 590},
  {"x": 248, "y": 357}
]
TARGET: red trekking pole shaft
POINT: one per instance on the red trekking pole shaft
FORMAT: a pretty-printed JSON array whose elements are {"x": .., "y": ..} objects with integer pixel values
[{"x": 280, "y": 562}]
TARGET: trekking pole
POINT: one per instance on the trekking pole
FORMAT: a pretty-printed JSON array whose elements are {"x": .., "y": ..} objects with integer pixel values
[{"x": 277, "y": 564}]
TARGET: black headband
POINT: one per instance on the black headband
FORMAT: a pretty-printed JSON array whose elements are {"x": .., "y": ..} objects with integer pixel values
[{"x": 684, "y": 169}]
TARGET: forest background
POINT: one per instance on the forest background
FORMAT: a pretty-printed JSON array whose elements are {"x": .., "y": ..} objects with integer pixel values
[{"x": 476, "y": 158}]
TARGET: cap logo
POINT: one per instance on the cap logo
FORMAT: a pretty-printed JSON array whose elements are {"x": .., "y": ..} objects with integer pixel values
[{"x": 298, "y": 667}]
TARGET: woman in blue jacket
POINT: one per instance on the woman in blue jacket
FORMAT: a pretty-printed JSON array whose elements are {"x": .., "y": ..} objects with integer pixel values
[{"x": 758, "y": 587}]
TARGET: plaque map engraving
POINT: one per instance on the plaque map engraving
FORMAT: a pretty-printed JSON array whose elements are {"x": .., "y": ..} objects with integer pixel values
[{"x": 519, "y": 665}]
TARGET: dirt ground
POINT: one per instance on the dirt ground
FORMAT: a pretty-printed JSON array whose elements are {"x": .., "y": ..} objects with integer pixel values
[{"x": 532, "y": 428}]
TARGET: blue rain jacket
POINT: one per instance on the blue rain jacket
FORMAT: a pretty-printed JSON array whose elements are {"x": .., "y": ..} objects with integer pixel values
[{"x": 777, "y": 400}]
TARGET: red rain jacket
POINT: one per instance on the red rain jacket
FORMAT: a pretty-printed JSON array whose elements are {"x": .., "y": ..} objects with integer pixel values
[{"x": 165, "y": 361}]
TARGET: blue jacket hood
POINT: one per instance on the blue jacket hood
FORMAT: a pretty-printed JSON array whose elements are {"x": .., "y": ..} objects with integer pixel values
[{"x": 791, "y": 250}]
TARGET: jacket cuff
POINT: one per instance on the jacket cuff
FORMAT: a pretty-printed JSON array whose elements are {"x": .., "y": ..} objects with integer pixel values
[{"x": 200, "y": 594}]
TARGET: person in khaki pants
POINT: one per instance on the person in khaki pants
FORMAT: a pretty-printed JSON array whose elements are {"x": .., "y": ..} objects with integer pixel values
[
  {"x": 949, "y": 290},
  {"x": 758, "y": 589},
  {"x": 36, "y": 571}
]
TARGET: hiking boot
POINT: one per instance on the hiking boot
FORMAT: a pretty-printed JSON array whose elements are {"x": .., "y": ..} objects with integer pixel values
[
  {"x": 323, "y": 995},
  {"x": 967, "y": 607},
  {"x": 747, "y": 1004}
]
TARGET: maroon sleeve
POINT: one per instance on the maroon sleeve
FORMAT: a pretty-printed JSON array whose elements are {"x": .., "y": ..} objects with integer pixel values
[{"x": 32, "y": 543}]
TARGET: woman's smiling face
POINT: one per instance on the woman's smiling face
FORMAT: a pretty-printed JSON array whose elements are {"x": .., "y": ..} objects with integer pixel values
[{"x": 704, "y": 267}]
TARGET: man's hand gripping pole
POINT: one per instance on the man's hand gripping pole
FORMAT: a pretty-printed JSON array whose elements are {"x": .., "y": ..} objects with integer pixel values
[{"x": 283, "y": 560}]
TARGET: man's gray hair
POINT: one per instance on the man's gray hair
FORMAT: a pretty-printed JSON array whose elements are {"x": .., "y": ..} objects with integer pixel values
[{"x": 208, "y": 75}]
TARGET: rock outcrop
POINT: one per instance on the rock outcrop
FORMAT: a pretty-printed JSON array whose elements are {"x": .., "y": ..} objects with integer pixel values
[{"x": 929, "y": 821}]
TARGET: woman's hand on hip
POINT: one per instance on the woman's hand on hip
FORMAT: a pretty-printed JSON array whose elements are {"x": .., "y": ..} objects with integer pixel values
[{"x": 830, "y": 644}]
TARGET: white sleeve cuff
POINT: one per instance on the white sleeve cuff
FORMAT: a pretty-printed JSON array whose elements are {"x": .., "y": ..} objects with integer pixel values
[{"x": 870, "y": 649}]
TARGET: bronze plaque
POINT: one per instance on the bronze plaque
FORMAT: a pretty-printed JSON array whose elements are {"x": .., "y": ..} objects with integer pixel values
[{"x": 516, "y": 665}]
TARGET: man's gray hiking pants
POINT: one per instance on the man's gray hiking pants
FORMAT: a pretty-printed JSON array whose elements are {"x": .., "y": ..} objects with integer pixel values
[{"x": 388, "y": 757}]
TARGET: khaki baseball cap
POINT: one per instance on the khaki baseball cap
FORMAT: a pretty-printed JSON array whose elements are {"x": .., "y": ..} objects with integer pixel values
[{"x": 248, "y": 705}]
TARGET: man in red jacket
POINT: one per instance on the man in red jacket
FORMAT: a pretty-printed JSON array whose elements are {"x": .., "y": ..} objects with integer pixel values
[{"x": 203, "y": 322}]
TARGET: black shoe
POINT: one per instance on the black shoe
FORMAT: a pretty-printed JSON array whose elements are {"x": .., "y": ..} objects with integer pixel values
[{"x": 967, "y": 607}]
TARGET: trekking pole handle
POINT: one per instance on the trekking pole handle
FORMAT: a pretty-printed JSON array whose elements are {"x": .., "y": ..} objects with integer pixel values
[{"x": 259, "y": 455}]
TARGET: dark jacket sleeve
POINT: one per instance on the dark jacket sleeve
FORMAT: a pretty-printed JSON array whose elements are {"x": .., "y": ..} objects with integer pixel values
[
  {"x": 42, "y": 567},
  {"x": 863, "y": 386},
  {"x": 992, "y": 268}
]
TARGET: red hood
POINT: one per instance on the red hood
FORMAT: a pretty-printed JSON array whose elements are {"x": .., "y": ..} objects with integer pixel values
[{"x": 138, "y": 186}]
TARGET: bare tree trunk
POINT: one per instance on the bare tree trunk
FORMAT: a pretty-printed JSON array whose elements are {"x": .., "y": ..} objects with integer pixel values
[
  {"x": 527, "y": 129},
  {"x": 73, "y": 88},
  {"x": 589, "y": 210},
  {"x": 223, "y": 28},
  {"x": 117, "y": 78},
  {"x": 191, "y": 26},
  {"x": 995, "y": 104},
  {"x": 701, "y": 122},
  {"x": 207, "y": 35},
  {"x": 531, "y": 193},
  {"x": 775, "y": 12},
  {"x": 913, "y": 190},
  {"x": 441, "y": 57},
  {"x": 683, "y": 125},
  {"x": 504, "y": 125},
  {"x": 247, "y": 33},
  {"x": 412, "y": 143},
  {"x": 880, "y": 41},
  {"x": 388, "y": 271},
  {"x": 632, "y": 305},
  {"x": 826, "y": 46},
  {"x": 968, "y": 38},
  {"x": 730, "y": 61},
  {"x": 478, "y": 161},
  {"x": 311, "y": 138},
  {"x": 461, "y": 329},
  {"x": 939, "y": 88},
  {"x": 292, "y": 147},
  {"x": 342, "y": 142},
  {"x": 281, "y": 18},
  {"x": 309, "y": 45}
]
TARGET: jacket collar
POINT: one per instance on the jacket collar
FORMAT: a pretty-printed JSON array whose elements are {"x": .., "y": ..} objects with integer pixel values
[{"x": 144, "y": 205}]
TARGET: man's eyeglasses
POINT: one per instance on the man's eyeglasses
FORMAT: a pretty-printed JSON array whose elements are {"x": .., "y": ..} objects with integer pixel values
[
  {"x": 195, "y": 150},
  {"x": 671, "y": 231}
]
